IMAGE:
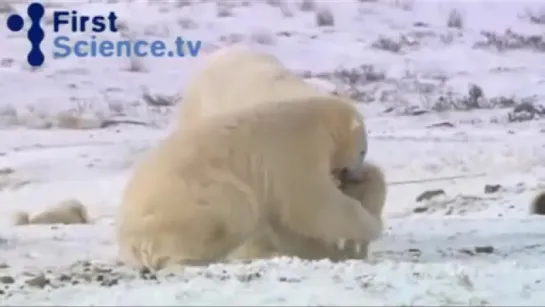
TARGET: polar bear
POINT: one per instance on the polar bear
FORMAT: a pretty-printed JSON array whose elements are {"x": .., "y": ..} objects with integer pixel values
[
  {"x": 371, "y": 191},
  {"x": 69, "y": 211},
  {"x": 238, "y": 76},
  {"x": 207, "y": 189},
  {"x": 538, "y": 204}
]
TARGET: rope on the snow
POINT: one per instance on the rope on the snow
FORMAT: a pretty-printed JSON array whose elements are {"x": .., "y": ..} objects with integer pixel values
[{"x": 436, "y": 179}]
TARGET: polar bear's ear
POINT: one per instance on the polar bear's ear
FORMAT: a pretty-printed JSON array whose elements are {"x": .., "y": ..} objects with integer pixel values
[{"x": 356, "y": 124}]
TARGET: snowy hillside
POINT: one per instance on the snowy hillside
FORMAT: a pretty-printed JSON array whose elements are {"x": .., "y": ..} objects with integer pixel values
[{"x": 448, "y": 89}]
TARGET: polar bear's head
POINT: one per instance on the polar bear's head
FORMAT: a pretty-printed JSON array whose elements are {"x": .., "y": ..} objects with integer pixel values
[{"x": 351, "y": 148}]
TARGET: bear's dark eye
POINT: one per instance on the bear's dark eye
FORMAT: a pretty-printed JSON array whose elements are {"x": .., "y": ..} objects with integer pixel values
[{"x": 363, "y": 153}]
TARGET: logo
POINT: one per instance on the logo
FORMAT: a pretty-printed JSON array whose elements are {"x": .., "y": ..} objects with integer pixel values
[
  {"x": 71, "y": 22},
  {"x": 35, "y": 34}
]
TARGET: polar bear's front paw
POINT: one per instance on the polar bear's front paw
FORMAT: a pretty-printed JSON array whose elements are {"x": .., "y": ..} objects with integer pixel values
[
  {"x": 341, "y": 244},
  {"x": 357, "y": 247}
]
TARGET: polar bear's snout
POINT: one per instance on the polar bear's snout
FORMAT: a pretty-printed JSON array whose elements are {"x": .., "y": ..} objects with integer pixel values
[{"x": 351, "y": 174}]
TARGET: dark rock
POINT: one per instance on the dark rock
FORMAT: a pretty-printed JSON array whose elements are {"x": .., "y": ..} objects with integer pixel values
[
  {"x": 420, "y": 24},
  {"x": 65, "y": 277},
  {"x": 109, "y": 282},
  {"x": 442, "y": 124},
  {"x": 484, "y": 249},
  {"x": 491, "y": 188},
  {"x": 39, "y": 281},
  {"x": 467, "y": 251},
  {"x": 420, "y": 209},
  {"x": 427, "y": 195},
  {"x": 7, "y": 279}
]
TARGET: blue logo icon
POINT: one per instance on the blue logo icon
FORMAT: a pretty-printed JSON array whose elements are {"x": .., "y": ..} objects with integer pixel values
[
  {"x": 35, "y": 33},
  {"x": 71, "y": 21}
]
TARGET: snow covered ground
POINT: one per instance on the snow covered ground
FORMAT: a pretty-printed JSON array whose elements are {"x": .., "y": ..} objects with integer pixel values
[{"x": 413, "y": 75}]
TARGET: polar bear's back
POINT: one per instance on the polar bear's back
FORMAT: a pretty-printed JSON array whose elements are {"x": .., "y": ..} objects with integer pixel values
[{"x": 238, "y": 76}]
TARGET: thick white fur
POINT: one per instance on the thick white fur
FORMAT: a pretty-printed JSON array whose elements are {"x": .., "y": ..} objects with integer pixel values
[
  {"x": 208, "y": 188},
  {"x": 370, "y": 191},
  {"x": 238, "y": 76},
  {"x": 69, "y": 211}
]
